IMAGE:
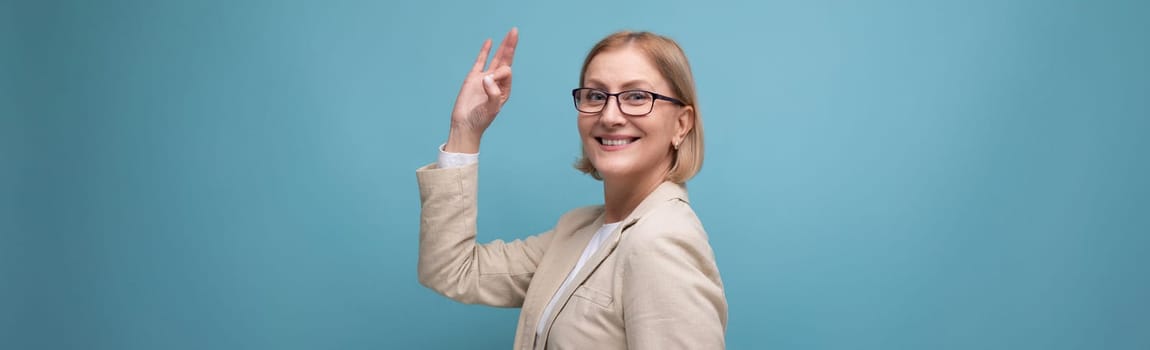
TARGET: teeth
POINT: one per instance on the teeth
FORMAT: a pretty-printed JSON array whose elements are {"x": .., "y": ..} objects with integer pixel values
[{"x": 618, "y": 142}]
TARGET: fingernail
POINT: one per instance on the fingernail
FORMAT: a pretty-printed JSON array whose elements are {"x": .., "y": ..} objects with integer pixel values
[{"x": 489, "y": 78}]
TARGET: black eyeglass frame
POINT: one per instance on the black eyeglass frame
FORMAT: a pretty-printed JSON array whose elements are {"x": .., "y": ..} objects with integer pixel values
[{"x": 619, "y": 103}]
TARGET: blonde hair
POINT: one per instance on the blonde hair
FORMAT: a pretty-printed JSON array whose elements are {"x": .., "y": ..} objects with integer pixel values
[{"x": 672, "y": 64}]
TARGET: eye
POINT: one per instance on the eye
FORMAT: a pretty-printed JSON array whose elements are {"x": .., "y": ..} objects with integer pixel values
[
  {"x": 595, "y": 96},
  {"x": 636, "y": 97}
]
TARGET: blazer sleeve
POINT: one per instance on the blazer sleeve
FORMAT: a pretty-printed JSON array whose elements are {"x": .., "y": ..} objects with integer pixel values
[
  {"x": 451, "y": 262},
  {"x": 672, "y": 293}
]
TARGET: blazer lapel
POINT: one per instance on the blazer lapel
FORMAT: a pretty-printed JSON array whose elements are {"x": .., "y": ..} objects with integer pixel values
[
  {"x": 665, "y": 192},
  {"x": 559, "y": 261},
  {"x": 589, "y": 267},
  {"x": 565, "y": 259}
]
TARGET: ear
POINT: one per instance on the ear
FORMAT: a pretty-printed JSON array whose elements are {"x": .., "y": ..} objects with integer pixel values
[{"x": 684, "y": 123}]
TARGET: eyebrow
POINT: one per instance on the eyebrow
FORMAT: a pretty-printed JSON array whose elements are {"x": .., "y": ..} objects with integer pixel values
[{"x": 630, "y": 84}]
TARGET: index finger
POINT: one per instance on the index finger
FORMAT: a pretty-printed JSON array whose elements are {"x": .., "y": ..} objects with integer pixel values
[
  {"x": 482, "y": 59},
  {"x": 506, "y": 53}
]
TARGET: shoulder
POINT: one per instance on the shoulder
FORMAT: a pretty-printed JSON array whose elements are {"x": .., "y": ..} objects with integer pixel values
[
  {"x": 668, "y": 242},
  {"x": 669, "y": 225},
  {"x": 671, "y": 218}
]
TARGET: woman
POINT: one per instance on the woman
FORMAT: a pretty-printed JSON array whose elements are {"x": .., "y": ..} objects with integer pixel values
[{"x": 636, "y": 272}]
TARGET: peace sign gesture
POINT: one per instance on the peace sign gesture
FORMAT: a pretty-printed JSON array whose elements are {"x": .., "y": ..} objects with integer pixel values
[{"x": 483, "y": 93}]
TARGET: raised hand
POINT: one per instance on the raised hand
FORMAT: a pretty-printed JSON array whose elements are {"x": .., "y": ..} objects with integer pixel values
[{"x": 483, "y": 94}]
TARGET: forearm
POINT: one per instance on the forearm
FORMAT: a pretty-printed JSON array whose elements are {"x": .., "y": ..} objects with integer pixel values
[{"x": 450, "y": 260}]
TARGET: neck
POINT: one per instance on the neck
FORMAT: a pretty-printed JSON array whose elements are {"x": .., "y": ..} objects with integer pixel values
[{"x": 621, "y": 197}]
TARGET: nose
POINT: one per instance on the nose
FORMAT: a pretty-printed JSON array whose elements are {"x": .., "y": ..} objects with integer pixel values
[{"x": 611, "y": 115}]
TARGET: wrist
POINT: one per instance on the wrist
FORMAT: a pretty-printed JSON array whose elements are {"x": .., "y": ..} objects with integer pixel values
[{"x": 463, "y": 141}]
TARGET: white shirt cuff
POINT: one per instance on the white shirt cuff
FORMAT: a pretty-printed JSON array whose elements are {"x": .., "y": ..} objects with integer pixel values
[{"x": 455, "y": 160}]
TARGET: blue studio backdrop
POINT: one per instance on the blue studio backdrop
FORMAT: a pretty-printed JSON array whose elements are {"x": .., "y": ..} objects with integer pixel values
[{"x": 880, "y": 174}]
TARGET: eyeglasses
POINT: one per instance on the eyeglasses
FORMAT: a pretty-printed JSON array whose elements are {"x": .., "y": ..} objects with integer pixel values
[{"x": 634, "y": 103}]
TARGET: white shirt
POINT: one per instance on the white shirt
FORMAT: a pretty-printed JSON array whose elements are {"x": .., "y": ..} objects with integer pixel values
[{"x": 454, "y": 160}]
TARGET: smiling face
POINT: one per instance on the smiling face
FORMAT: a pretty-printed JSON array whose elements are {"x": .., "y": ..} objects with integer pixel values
[{"x": 631, "y": 148}]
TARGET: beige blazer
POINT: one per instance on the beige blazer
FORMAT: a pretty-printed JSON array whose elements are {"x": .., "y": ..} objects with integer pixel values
[{"x": 653, "y": 284}]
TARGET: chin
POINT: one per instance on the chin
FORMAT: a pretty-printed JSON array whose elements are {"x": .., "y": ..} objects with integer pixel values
[{"x": 614, "y": 169}]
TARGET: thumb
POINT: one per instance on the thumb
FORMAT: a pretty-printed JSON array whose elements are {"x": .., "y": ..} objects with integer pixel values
[{"x": 492, "y": 89}]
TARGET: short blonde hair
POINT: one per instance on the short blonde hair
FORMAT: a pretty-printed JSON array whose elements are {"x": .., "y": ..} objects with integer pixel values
[{"x": 672, "y": 64}]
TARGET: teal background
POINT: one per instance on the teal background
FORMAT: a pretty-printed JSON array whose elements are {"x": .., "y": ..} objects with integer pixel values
[{"x": 879, "y": 174}]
